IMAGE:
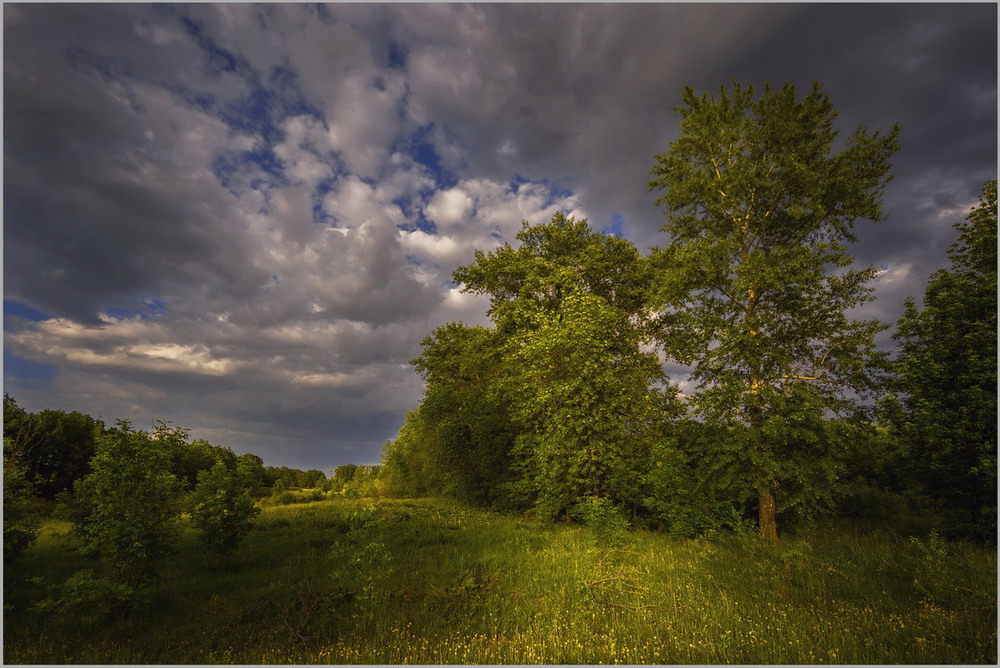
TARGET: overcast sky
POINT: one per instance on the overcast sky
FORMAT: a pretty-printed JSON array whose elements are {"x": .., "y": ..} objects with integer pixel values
[{"x": 244, "y": 218}]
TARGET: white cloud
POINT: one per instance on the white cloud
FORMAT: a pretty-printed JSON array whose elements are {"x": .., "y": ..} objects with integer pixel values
[{"x": 449, "y": 209}]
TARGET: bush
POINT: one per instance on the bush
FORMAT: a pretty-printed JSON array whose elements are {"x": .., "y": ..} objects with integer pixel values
[
  {"x": 222, "y": 506},
  {"x": 127, "y": 509},
  {"x": 86, "y": 597},
  {"x": 606, "y": 521}
]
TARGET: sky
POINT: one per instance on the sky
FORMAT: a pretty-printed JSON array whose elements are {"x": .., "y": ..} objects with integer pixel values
[{"x": 244, "y": 218}]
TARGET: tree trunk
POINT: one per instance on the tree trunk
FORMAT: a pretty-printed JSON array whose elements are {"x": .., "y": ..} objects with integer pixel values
[{"x": 767, "y": 517}]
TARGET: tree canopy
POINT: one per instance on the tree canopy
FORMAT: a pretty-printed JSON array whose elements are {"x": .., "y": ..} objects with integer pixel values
[{"x": 755, "y": 285}]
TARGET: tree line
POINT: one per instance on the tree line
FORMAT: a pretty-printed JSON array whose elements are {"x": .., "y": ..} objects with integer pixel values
[
  {"x": 790, "y": 406},
  {"x": 54, "y": 448}
]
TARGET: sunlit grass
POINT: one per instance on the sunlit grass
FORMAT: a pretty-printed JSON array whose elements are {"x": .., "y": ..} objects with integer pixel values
[{"x": 397, "y": 582}]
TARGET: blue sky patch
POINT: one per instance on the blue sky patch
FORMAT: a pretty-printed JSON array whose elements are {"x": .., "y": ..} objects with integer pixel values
[
  {"x": 615, "y": 227},
  {"x": 319, "y": 214},
  {"x": 518, "y": 181},
  {"x": 26, "y": 372},
  {"x": 424, "y": 153},
  {"x": 18, "y": 310},
  {"x": 397, "y": 56},
  {"x": 148, "y": 307},
  {"x": 414, "y": 216},
  {"x": 556, "y": 191}
]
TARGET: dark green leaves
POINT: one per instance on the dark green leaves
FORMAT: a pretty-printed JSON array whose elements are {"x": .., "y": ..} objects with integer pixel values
[{"x": 947, "y": 378}]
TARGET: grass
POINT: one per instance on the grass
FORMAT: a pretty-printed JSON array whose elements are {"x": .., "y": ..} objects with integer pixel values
[{"x": 428, "y": 582}]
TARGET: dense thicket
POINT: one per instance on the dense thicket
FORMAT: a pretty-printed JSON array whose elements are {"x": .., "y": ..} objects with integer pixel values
[
  {"x": 559, "y": 400},
  {"x": 54, "y": 447},
  {"x": 125, "y": 491}
]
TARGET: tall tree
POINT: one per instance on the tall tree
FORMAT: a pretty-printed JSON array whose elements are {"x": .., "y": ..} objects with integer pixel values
[
  {"x": 947, "y": 378},
  {"x": 754, "y": 284}
]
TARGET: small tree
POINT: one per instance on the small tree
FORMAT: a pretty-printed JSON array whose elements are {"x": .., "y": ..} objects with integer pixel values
[
  {"x": 222, "y": 505},
  {"x": 127, "y": 508}
]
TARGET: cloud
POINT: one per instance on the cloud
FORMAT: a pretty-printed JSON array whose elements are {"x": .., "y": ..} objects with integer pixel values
[{"x": 245, "y": 218}]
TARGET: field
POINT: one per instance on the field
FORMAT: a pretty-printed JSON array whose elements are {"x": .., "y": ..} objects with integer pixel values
[{"x": 428, "y": 581}]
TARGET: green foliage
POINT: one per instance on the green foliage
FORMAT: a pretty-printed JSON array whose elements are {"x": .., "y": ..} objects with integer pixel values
[
  {"x": 288, "y": 497},
  {"x": 758, "y": 208},
  {"x": 363, "y": 554},
  {"x": 583, "y": 396},
  {"x": 554, "y": 260},
  {"x": 463, "y": 420},
  {"x": 19, "y": 530},
  {"x": 607, "y": 522},
  {"x": 127, "y": 508},
  {"x": 689, "y": 487},
  {"x": 254, "y": 466},
  {"x": 343, "y": 475},
  {"x": 290, "y": 477},
  {"x": 557, "y": 400},
  {"x": 932, "y": 576},
  {"x": 87, "y": 598},
  {"x": 55, "y": 447},
  {"x": 363, "y": 484},
  {"x": 946, "y": 413},
  {"x": 222, "y": 506}
]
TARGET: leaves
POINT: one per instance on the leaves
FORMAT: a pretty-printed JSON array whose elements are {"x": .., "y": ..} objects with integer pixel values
[
  {"x": 127, "y": 508},
  {"x": 556, "y": 400},
  {"x": 758, "y": 207},
  {"x": 947, "y": 375},
  {"x": 222, "y": 505}
]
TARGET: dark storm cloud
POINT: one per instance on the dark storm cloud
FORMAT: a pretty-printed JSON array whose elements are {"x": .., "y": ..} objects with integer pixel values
[
  {"x": 932, "y": 68},
  {"x": 98, "y": 201},
  {"x": 244, "y": 218}
]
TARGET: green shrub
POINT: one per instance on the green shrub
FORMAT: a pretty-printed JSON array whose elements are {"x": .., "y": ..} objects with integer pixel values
[
  {"x": 127, "y": 509},
  {"x": 362, "y": 556},
  {"x": 87, "y": 597},
  {"x": 222, "y": 506},
  {"x": 604, "y": 519},
  {"x": 933, "y": 574}
]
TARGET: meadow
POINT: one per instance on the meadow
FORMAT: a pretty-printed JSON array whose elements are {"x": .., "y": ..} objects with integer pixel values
[{"x": 427, "y": 581}]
